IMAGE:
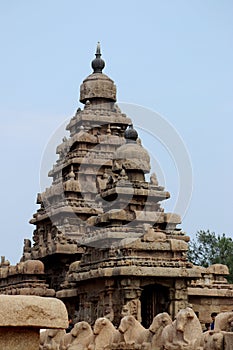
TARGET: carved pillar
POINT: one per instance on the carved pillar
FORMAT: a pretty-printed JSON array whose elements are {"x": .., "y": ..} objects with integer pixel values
[
  {"x": 82, "y": 299},
  {"x": 100, "y": 305},
  {"x": 108, "y": 308},
  {"x": 87, "y": 312},
  {"x": 49, "y": 242},
  {"x": 131, "y": 293},
  {"x": 179, "y": 297}
]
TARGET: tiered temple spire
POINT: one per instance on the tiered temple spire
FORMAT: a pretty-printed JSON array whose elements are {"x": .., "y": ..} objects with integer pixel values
[{"x": 102, "y": 240}]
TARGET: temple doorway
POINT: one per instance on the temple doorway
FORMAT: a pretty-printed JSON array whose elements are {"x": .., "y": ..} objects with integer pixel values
[{"x": 154, "y": 299}]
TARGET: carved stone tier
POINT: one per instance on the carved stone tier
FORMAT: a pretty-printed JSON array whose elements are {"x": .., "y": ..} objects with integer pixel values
[
  {"x": 61, "y": 211},
  {"x": 97, "y": 85},
  {"x": 211, "y": 292},
  {"x": 137, "y": 270},
  {"x": 126, "y": 188},
  {"x": 25, "y": 278}
]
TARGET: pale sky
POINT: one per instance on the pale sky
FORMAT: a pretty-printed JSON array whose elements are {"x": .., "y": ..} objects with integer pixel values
[{"x": 173, "y": 57}]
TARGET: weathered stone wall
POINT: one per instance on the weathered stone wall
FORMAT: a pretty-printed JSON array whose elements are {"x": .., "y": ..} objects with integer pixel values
[{"x": 211, "y": 292}]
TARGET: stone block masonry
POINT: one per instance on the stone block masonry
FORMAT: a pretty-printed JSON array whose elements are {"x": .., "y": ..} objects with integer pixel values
[{"x": 22, "y": 317}]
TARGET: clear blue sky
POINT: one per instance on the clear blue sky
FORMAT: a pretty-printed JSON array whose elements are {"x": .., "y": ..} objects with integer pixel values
[{"x": 174, "y": 57}]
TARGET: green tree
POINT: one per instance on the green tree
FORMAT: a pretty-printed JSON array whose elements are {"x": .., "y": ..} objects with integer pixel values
[{"x": 208, "y": 248}]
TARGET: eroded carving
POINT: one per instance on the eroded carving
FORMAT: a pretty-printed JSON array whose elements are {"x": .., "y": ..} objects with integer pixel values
[
  {"x": 159, "y": 322},
  {"x": 51, "y": 339},
  {"x": 105, "y": 334},
  {"x": 133, "y": 332},
  {"x": 224, "y": 322},
  {"x": 184, "y": 333},
  {"x": 80, "y": 337}
]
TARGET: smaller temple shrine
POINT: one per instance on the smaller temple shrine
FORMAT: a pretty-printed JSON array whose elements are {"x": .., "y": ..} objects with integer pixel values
[{"x": 102, "y": 242}]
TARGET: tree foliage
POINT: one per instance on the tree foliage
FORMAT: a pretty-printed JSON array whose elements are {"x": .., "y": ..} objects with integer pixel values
[{"x": 208, "y": 248}]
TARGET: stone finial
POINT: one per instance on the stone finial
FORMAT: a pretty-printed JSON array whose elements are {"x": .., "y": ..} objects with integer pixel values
[
  {"x": 98, "y": 63},
  {"x": 131, "y": 134},
  {"x": 97, "y": 85}
]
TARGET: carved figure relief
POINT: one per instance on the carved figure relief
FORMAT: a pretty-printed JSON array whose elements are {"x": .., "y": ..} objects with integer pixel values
[{"x": 132, "y": 307}]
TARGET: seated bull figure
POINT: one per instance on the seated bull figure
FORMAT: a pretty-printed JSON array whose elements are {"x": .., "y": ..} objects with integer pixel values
[
  {"x": 66, "y": 341},
  {"x": 51, "y": 338},
  {"x": 105, "y": 334},
  {"x": 224, "y": 322},
  {"x": 80, "y": 337},
  {"x": 133, "y": 332},
  {"x": 212, "y": 340},
  {"x": 159, "y": 322},
  {"x": 184, "y": 333}
]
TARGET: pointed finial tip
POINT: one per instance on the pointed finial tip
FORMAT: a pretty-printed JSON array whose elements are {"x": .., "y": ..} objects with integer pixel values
[
  {"x": 98, "y": 63},
  {"x": 98, "y": 51}
]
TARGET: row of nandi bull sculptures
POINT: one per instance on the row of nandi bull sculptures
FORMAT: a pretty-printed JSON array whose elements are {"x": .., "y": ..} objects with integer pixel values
[{"x": 184, "y": 333}]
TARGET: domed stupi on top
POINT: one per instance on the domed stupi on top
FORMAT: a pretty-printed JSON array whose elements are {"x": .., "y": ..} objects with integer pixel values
[
  {"x": 132, "y": 155},
  {"x": 105, "y": 241},
  {"x": 97, "y": 86}
]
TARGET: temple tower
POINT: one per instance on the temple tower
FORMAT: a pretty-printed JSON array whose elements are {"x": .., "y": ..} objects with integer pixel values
[
  {"x": 106, "y": 243},
  {"x": 102, "y": 242},
  {"x": 80, "y": 173}
]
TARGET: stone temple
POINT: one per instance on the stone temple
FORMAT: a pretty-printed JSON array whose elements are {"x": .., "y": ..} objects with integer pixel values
[{"x": 102, "y": 242}]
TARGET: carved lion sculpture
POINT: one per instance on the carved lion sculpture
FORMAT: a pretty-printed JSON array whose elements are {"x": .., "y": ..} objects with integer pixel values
[
  {"x": 105, "y": 334},
  {"x": 81, "y": 336},
  {"x": 224, "y": 322},
  {"x": 133, "y": 332},
  {"x": 159, "y": 322},
  {"x": 212, "y": 340},
  {"x": 185, "y": 333}
]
